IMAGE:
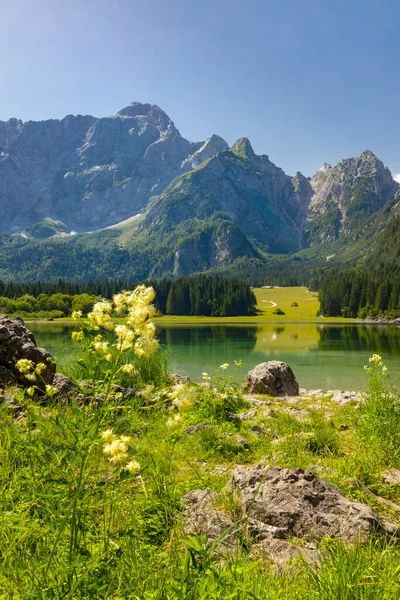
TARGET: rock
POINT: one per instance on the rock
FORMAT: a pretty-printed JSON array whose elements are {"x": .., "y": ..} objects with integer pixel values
[
  {"x": 274, "y": 378},
  {"x": 282, "y": 553},
  {"x": 195, "y": 428},
  {"x": 64, "y": 384},
  {"x": 202, "y": 517},
  {"x": 245, "y": 416},
  {"x": 295, "y": 502},
  {"x": 283, "y": 513},
  {"x": 391, "y": 476},
  {"x": 16, "y": 342},
  {"x": 259, "y": 430},
  {"x": 343, "y": 397},
  {"x": 178, "y": 379}
]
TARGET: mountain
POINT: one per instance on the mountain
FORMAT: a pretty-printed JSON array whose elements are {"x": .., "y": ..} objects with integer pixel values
[
  {"x": 344, "y": 196},
  {"x": 157, "y": 203},
  {"x": 90, "y": 173}
]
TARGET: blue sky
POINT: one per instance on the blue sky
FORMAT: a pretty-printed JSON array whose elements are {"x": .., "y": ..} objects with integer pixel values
[{"x": 307, "y": 81}]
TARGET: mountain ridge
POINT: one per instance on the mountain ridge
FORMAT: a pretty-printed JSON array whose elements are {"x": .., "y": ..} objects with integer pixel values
[{"x": 171, "y": 205}]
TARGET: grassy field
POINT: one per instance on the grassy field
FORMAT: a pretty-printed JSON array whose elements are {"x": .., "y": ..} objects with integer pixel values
[
  {"x": 77, "y": 526},
  {"x": 268, "y": 300}
]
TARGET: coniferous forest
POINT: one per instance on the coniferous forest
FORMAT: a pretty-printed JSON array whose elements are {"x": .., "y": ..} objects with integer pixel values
[{"x": 196, "y": 295}]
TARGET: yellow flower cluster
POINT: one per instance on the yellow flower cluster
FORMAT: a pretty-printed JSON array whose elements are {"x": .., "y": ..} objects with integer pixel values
[
  {"x": 29, "y": 369},
  {"x": 78, "y": 336},
  {"x": 376, "y": 361},
  {"x": 183, "y": 397},
  {"x": 116, "y": 448},
  {"x": 138, "y": 331}
]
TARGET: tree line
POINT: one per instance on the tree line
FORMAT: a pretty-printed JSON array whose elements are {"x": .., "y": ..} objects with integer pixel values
[
  {"x": 201, "y": 295},
  {"x": 358, "y": 292}
]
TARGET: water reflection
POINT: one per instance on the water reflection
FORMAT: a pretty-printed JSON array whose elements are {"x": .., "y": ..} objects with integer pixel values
[{"x": 322, "y": 356}]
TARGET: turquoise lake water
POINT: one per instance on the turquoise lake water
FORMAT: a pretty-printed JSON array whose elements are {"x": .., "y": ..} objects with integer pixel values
[{"x": 321, "y": 355}]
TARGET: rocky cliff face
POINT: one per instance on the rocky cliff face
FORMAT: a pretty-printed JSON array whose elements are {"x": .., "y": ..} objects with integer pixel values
[
  {"x": 91, "y": 173},
  {"x": 345, "y": 195}
]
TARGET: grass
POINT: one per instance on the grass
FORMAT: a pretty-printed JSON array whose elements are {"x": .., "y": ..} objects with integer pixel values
[
  {"x": 76, "y": 526},
  {"x": 306, "y": 310}
]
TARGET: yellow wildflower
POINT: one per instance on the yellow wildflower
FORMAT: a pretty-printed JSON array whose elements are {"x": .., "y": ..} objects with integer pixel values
[
  {"x": 76, "y": 315},
  {"x": 133, "y": 466},
  {"x": 174, "y": 422},
  {"x": 30, "y": 391},
  {"x": 51, "y": 390},
  {"x": 108, "y": 435},
  {"x": 24, "y": 365},
  {"x": 40, "y": 367},
  {"x": 78, "y": 336},
  {"x": 224, "y": 366},
  {"x": 128, "y": 368}
]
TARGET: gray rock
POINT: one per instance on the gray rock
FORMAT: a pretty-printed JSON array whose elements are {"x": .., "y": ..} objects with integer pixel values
[
  {"x": 17, "y": 342},
  {"x": 345, "y": 397},
  {"x": 300, "y": 504},
  {"x": 195, "y": 428},
  {"x": 203, "y": 516},
  {"x": 274, "y": 378},
  {"x": 283, "y": 513},
  {"x": 64, "y": 384},
  {"x": 391, "y": 476}
]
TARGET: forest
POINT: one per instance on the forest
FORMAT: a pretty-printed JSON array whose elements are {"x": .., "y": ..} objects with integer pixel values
[{"x": 200, "y": 295}]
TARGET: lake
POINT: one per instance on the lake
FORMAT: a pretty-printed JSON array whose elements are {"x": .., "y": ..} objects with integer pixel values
[{"x": 321, "y": 355}]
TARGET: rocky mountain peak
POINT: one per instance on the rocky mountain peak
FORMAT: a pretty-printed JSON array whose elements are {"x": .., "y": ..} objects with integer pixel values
[
  {"x": 212, "y": 146},
  {"x": 151, "y": 111},
  {"x": 243, "y": 148}
]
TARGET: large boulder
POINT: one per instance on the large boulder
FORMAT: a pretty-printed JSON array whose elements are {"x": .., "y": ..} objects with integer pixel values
[
  {"x": 295, "y": 502},
  {"x": 16, "y": 342},
  {"x": 274, "y": 378},
  {"x": 282, "y": 513}
]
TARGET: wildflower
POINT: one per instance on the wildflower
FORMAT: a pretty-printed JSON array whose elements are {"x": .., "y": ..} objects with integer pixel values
[
  {"x": 376, "y": 359},
  {"x": 174, "y": 422},
  {"x": 99, "y": 345},
  {"x": 30, "y": 391},
  {"x": 224, "y": 366},
  {"x": 206, "y": 377},
  {"x": 24, "y": 365},
  {"x": 30, "y": 376},
  {"x": 128, "y": 368},
  {"x": 147, "y": 393},
  {"x": 78, "y": 336},
  {"x": 125, "y": 337},
  {"x": 76, "y": 315},
  {"x": 108, "y": 435},
  {"x": 51, "y": 390},
  {"x": 40, "y": 367},
  {"x": 183, "y": 398},
  {"x": 146, "y": 346},
  {"x": 133, "y": 466},
  {"x": 238, "y": 363},
  {"x": 117, "y": 450}
]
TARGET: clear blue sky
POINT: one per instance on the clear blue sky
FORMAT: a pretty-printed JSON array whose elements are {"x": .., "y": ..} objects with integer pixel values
[{"x": 307, "y": 81}]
